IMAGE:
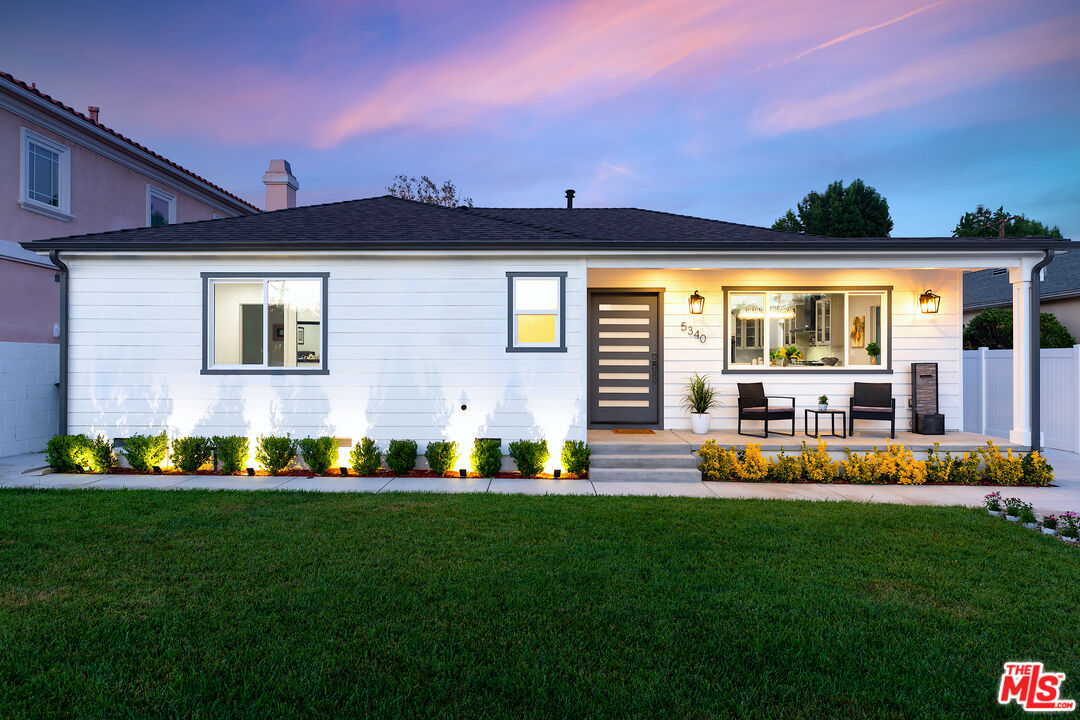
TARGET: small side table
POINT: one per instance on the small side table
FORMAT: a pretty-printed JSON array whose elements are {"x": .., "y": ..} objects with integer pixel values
[{"x": 832, "y": 417}]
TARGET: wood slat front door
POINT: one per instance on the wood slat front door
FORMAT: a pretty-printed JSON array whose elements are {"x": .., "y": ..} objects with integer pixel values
[{"x": 624, "y": 358}]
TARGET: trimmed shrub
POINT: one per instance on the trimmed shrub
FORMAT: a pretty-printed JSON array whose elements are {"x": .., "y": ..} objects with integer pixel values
[
  {"x": 68, "y": 453},
  {"x": 78, "y": 453},
  {"x": 575, "y": 457},
  {"x": 966, "y": 469},
  {"x": 486, "y": 456},
  {"x": 275, "y": 453},
  {"x": 231, "y": 452},
  {"x": 717, "y": 463},
  {"x": 441, "y": 456},
  {"x": 1036, "y": 470},
  {"x": 784, "y": 469},
  {"x": 401, "y": 456},
  {"x": 817, "y": 466},
  {"x": 529, "y": 456},
  {"x": 191, "y": 453},
  {"x": 319, "y": 454},
  {"x": 365, "y": 458},
  {"x": 1002, "y": 469},
  {"x": 752, "y": 466},
  {"x": 143, "y": 452}
]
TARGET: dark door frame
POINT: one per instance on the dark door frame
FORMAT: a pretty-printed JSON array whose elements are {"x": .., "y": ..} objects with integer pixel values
[{"x": 590, "y": 391}]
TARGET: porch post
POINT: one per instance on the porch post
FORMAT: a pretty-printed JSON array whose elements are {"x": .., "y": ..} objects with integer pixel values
[{"x": 1020, "y": 277}]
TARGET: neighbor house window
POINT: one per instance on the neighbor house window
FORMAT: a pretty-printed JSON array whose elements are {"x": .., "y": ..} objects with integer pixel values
[
  {"x": 45, "y": 168},
  {"x": 272, "y": 323},
  {"x": 160, "y": 207},
  {"x": 536, "y": 320},
  {"x": 807, "y": 329}
]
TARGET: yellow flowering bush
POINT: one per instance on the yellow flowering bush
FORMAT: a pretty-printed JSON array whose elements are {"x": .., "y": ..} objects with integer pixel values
[
  {"x": 862, "y": 469},
  {"x": 1002, "y": 469},
  {"x": 751, "y": 465},
  {"x": 717, "y": 463},
  {"x": 817, "y": 466},
  {"x": 785, "y": 469},
  {"x": 1036, "y": 470},
  {"x": 893, "y": 465}
]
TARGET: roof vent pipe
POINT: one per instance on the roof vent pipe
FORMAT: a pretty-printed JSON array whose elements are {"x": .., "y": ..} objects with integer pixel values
[
  {"x": 569, "y": 199},
  {"x": 93, "y": 110}
]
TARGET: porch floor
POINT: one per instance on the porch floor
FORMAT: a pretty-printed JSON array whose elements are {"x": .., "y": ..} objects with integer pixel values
[{"x": 955, "y": 441}]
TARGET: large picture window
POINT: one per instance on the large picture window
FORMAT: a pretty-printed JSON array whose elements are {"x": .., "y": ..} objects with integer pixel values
[
  {"x": 823, "y": 329},
  {"x": 264, "y": 324},
  {"x": 535, "y": 312}
]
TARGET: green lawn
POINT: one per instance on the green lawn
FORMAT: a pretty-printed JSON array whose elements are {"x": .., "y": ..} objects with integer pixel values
[{"x": 268, "y": 605}]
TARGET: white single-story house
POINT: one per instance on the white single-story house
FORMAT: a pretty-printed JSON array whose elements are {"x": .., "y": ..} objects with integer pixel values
[{"x": 396, "y": 319}]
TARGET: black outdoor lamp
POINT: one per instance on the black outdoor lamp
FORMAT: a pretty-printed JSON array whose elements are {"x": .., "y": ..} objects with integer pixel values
[
  {"x": 929, "y": 302},
  {"x": 697, "y": 303}
]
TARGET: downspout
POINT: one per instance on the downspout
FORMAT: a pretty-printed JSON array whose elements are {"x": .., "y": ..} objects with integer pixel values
[
  {"x": 54, "y": 255},
  {"x": 1036, "y": 350}
]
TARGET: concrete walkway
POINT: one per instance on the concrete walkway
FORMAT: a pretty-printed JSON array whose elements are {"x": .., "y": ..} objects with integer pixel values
[{"x": 25, "y": 471}]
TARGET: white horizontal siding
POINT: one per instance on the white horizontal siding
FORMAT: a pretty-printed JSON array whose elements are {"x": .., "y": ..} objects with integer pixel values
[{"x": 410, "y": 341}]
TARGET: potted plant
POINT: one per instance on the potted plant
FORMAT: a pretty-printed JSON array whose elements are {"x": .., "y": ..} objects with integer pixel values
[
  {"x": 699, "y": 399},
  {"x": 1027, "y": 516},
  {"x": 992, "y": 502},
  {"x": 1049, "y": 524},
  {"x": 823, "y": 403},
  {"x": 1067, "y": 526},
  {"x": 776, "y": 356},
  {"x": 1012, "y": 509},
  {"x": 873, "y": 349},
  {"x": 790, "y": 353}
]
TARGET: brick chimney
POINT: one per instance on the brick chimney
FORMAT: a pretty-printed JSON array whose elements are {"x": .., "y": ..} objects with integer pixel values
[
  {"x": 281, "y": 186},
  {"x": 93, "y": 111}
]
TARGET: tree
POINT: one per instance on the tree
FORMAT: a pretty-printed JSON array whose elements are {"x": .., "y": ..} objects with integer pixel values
[
  {"x": 857, "y": 210},
  {"x": 993, "y": 327},
  {"x": 426, "y": 191},
  {"x": 984, "y": 223}
]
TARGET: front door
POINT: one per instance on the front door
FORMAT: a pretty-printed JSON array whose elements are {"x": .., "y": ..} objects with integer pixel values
[{"x": 624, "y": 357}]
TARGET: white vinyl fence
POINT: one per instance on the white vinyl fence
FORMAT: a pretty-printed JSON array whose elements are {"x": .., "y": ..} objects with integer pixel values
[{"x": 988, "y": 395}]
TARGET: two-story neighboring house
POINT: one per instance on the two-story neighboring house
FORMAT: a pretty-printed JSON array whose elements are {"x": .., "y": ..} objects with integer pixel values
[{"x": 65, "y": 173}]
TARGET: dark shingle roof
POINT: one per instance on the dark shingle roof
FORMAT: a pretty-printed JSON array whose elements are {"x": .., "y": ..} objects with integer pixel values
[
  {"x": 389, "y": 223},
  {"x": 74, "y": 115},
  {"x": 987, "y": 288}
]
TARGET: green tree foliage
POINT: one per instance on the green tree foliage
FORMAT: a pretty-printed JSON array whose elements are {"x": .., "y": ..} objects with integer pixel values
[
  {"x": 857, "y": 210},
  {"x": 986, "y": 223},
  {"x": 992, "y": 328},
  {"x": 426, "y": 191}
]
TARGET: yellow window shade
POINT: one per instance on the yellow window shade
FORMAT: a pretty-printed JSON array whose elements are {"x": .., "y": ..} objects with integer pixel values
[{"x": 532, "y": 329}]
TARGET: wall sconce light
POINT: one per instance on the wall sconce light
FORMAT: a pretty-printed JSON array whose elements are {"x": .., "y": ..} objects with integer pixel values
[
  {"x": 344, "y": 471},
  {"x": 463, "y": 473},
  {"x": 697, "y": 303},
  {"x": 556, "y": 473},
  {"x": 929, "y": 302},
  {"x": 251, "y": 472}
]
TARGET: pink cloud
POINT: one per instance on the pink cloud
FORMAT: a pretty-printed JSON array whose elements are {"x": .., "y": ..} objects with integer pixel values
[{"x": 977, "y": 63}]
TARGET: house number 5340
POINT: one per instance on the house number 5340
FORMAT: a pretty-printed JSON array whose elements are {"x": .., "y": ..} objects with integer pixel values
[{"x": 689, "y": 330}]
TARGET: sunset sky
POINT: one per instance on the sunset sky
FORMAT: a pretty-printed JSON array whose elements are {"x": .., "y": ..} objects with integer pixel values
[{"x": 729, "y": 109}]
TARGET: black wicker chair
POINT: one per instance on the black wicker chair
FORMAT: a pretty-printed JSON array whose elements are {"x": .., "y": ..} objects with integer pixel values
[
  {"x": 754, "y": 404},
  {"x": 872, "y": 401}
]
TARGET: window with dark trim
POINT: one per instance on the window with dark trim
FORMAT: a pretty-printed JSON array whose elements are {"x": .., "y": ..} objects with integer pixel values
[
  {"x": 807, "y": 329},
  {"x": 536, "y": 312},
  {"x": 268, "y": 323}
]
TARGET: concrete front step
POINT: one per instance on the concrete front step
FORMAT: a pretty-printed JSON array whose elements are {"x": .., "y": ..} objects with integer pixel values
[
  {"x": 645, "y": 462},
  {"x": 677, "y": 474},
  {"x": 639, "y": 448}
]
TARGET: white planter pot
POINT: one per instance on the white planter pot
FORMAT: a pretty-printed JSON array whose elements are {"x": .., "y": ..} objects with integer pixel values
[
  {"x": 1049, "y": 531},
  {"x": 994, "y": 513},
  {"x": 822, "y": 408},
  {"x": 699, "y": 422},
  {"x": 1068, "y": 539},
  {"x": 1032, "y": 526},
  {"x": 1012, "y": 518}
]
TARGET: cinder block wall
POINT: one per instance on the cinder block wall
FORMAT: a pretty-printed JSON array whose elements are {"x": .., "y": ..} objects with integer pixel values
[{"x": 29, "y": 398}]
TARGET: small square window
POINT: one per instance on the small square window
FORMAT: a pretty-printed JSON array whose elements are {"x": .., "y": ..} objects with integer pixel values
[{"x": 536, "y": 321}]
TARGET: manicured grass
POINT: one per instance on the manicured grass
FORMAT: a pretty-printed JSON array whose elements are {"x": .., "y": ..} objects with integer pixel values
[{"x": 260, "y": 605}]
